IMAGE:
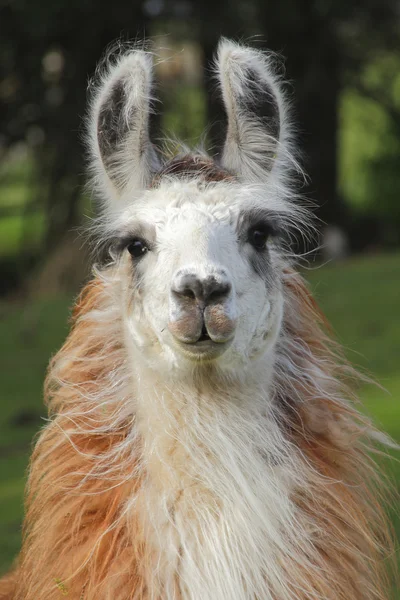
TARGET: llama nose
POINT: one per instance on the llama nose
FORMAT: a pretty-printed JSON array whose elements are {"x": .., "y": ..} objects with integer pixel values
[{"x": 204, "y": 291}]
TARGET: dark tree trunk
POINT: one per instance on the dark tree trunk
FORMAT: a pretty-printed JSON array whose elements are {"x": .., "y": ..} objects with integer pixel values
[
  {"x": 317, "y": 97},
  {"x": 309, "y": 44},
  {"x": 218, "y": 19}
]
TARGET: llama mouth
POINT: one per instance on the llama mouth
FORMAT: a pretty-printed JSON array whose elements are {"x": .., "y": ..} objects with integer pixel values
[
  {"x": 204, "y": 335},
  {"x": 205, "y": 347}
]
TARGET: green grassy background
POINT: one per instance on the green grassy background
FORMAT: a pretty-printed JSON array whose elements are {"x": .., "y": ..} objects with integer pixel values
[{"x": 361, "y": 297}]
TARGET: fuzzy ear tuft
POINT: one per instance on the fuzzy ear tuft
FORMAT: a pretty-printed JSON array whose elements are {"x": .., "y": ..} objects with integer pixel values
[
  {"x": 257, "y": 131},
  {"x": 123, "y": 156}
]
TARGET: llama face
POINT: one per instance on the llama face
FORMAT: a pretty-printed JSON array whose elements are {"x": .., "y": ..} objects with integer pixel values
[
  {"x": 204, "y": 272},
  {"x": 197, "y": 239}
]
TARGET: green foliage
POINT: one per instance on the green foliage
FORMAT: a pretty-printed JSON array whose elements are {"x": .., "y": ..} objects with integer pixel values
[
  {"x": 17, "y": 230},
  {"x": 22, "y": 223},
  {"x": 363, "y": 125},
  {"x": 184, "y": 117},
  {"x": 369, "y": 149}
]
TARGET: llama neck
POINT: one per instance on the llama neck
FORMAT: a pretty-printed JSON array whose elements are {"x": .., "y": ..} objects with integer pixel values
[
  {"x": 215, "y": 458},
  {"x": 177, "y": 421}
]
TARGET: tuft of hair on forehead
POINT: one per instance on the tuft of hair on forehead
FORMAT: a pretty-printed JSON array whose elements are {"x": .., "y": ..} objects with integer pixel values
[{"x": 193, "y": 166}]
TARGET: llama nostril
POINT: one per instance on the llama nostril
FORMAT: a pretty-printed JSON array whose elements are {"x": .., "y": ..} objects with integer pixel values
[
  {"x": 219, "y": 292},
  {"x": 204, "y": 291},
  {"x": 187, "y": 293},
  {"x": 187, "y": 286}
]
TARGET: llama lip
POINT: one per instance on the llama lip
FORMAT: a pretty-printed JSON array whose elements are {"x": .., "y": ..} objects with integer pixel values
[
  {"x": 204, "y": 348},
  {"x": 201, "y": 334}
]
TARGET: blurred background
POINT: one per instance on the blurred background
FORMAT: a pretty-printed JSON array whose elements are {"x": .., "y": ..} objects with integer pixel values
[{"x": 342, "y": 58}]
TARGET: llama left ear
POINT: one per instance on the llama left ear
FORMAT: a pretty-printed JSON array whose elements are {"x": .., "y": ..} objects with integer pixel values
[
  {"x": 123, "y": 157},
  {"x": 256, "y": 112}
]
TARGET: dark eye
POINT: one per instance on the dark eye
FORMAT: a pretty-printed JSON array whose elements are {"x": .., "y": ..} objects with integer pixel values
[
  {"x": 137, "y": 248},
  {"x": 258, "y": 236}
]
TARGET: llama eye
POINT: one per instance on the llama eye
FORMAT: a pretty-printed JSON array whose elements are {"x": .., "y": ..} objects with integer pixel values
[
  {"x": 137, "y": 248},
  {"x": 258, "y": 236}
]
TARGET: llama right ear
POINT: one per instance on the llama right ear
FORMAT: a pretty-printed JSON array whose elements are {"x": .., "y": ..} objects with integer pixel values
[
  {"x": 257, "y": 135},
  {"x": 123, "y": 157}
]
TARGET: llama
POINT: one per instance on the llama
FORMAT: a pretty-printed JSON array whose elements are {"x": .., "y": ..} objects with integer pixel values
[{"x": 202, "y": 441}]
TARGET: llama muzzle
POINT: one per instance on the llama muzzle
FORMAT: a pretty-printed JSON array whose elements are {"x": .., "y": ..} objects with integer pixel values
[{"x": 202, "y": 310}]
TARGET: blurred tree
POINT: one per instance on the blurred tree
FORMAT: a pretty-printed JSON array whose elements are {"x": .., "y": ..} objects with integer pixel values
[
  {"x": 327, "y": 43},
  {"x": 370, "y": 178}
]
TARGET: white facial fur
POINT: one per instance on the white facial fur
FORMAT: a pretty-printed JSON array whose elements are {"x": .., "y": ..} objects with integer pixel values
[{"x": 195, "y": 230}]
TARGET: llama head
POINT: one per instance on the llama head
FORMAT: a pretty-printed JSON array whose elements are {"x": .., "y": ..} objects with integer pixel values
[{"x": 196, "y": 242}]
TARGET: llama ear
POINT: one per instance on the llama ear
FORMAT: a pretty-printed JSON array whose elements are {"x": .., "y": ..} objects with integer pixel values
[
  {"x": 256, "y": 129},
  {"x": 123, "y": 156}
]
